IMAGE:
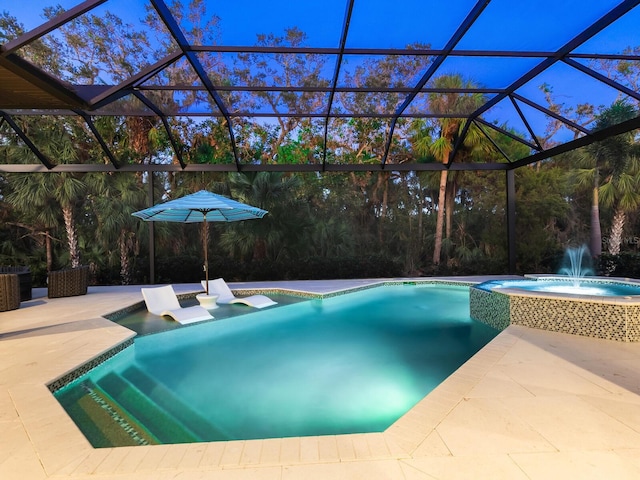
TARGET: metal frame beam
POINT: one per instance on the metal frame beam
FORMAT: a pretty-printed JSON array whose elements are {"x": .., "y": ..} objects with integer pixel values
[
  {"x": 453, "y": 41},
  {"x": 495, "y": 145},
  {"x": 48, "y": 164},
  {"x": 256, "y": 167},
  {"x": 17, "y": 43},
  {"x": 176, "y": 32},
  {"x": 550, "y": 113},
  {"x": 526, "y": 122},
  {"x": 101, "y": 141},
  {"x": 122, "y": 89},
  {"x": 336, "y": 76},
  {"x": 596, "y": 136},
  {"x": 163, "y": 119},
  {"x": 598, "y": 76},
  {"x": 507, "y": 133},
  {"x": 561, "y": 53},
  {"x": 511, "y": 220}
]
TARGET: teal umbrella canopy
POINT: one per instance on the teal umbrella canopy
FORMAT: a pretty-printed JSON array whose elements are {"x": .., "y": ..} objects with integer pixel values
[{"x": 201, "y": 207}]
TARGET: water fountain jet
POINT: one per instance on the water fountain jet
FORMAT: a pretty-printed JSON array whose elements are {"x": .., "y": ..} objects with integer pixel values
[{"x": 577, "y": 264}]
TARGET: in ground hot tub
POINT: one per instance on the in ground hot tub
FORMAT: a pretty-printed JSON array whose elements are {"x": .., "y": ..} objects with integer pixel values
[{"x": 594, "y": 307}]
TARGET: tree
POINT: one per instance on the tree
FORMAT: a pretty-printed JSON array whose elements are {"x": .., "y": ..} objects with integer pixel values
[
  {"x": 39, "y": 192},
  {"x": 116, "y": 196},
  {"x": 621, "y": 191},
  {"x": 278, "y": 233},
  {"x": 264, "y": 70},
  {"x": 438, "y": 141},
  {"x": 607, "y": 162}
]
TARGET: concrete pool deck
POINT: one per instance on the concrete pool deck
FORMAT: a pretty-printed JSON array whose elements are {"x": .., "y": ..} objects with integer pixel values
[{"x": 532, "y": 404}]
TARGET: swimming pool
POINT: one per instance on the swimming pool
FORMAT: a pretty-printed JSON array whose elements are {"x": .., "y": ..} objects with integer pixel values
[{"x": 352, "y": 363}]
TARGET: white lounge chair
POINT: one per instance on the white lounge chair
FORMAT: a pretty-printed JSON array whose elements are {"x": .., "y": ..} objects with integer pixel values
[
  {"x": 225, "y": 295},
  {"x": 163, "y": 301}
]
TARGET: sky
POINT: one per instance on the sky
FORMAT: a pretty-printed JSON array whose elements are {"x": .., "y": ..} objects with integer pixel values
[{"x": 526, "y": 25}]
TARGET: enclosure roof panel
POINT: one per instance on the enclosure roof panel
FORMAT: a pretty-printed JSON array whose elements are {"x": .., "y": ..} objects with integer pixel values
[{"x": 513, "y": 67}]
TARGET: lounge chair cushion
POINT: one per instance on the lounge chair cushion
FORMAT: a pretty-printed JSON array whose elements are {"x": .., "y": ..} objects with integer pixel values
[
  {"x": 164, "y": 301},
  {"x": 225, "y": 295}
]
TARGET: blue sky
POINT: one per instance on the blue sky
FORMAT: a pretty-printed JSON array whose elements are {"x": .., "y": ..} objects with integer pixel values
[{"x": 527, "y": 25}]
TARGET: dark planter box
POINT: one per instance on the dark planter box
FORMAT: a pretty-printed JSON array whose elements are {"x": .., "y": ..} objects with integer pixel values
[{"x": 24, "y": 277}]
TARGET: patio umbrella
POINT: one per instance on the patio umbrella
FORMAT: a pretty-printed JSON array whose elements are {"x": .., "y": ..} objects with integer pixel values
[{"x": 201, "y": 207}]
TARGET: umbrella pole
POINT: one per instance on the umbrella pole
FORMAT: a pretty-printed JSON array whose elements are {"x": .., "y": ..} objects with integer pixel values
[{"x": 206, "y": 259}]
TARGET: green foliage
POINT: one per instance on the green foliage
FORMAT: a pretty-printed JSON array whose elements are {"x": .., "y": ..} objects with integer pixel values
[{"x": 624, "y": 265}]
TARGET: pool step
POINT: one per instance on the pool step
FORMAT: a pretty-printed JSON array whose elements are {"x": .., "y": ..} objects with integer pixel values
[
  {"x": 155, "y": 419},
  {"x": 101, "y": 420},
  {"x": 174, "y": 405}
]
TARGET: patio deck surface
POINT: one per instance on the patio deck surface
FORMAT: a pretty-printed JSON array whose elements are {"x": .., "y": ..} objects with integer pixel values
[{"x": 530, "y": 405}]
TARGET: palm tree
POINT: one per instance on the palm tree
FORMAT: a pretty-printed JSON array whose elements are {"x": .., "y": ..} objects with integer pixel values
[
  {"x": 608, "y": 161},
  {"x": 622, "y": 193},
  {"x": 116, "y": 197},
  {"x": 447, "y": 131},
  {"x": 40, "y": 193}
]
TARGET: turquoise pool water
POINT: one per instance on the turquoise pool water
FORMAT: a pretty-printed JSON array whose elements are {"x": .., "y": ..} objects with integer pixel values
[
  {"x": 583, "y": 286},
  {"x": 347, "y": 364}
]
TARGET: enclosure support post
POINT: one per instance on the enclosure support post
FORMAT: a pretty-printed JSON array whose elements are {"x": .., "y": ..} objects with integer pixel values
[
  {"x": 152, "y": 240},
  {"x": 511, "y": 220}
]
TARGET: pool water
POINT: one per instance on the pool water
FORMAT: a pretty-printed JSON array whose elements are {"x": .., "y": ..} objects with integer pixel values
[
  {"x": 348, "y": 364},
  {"x": 584, "y": 286}
]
